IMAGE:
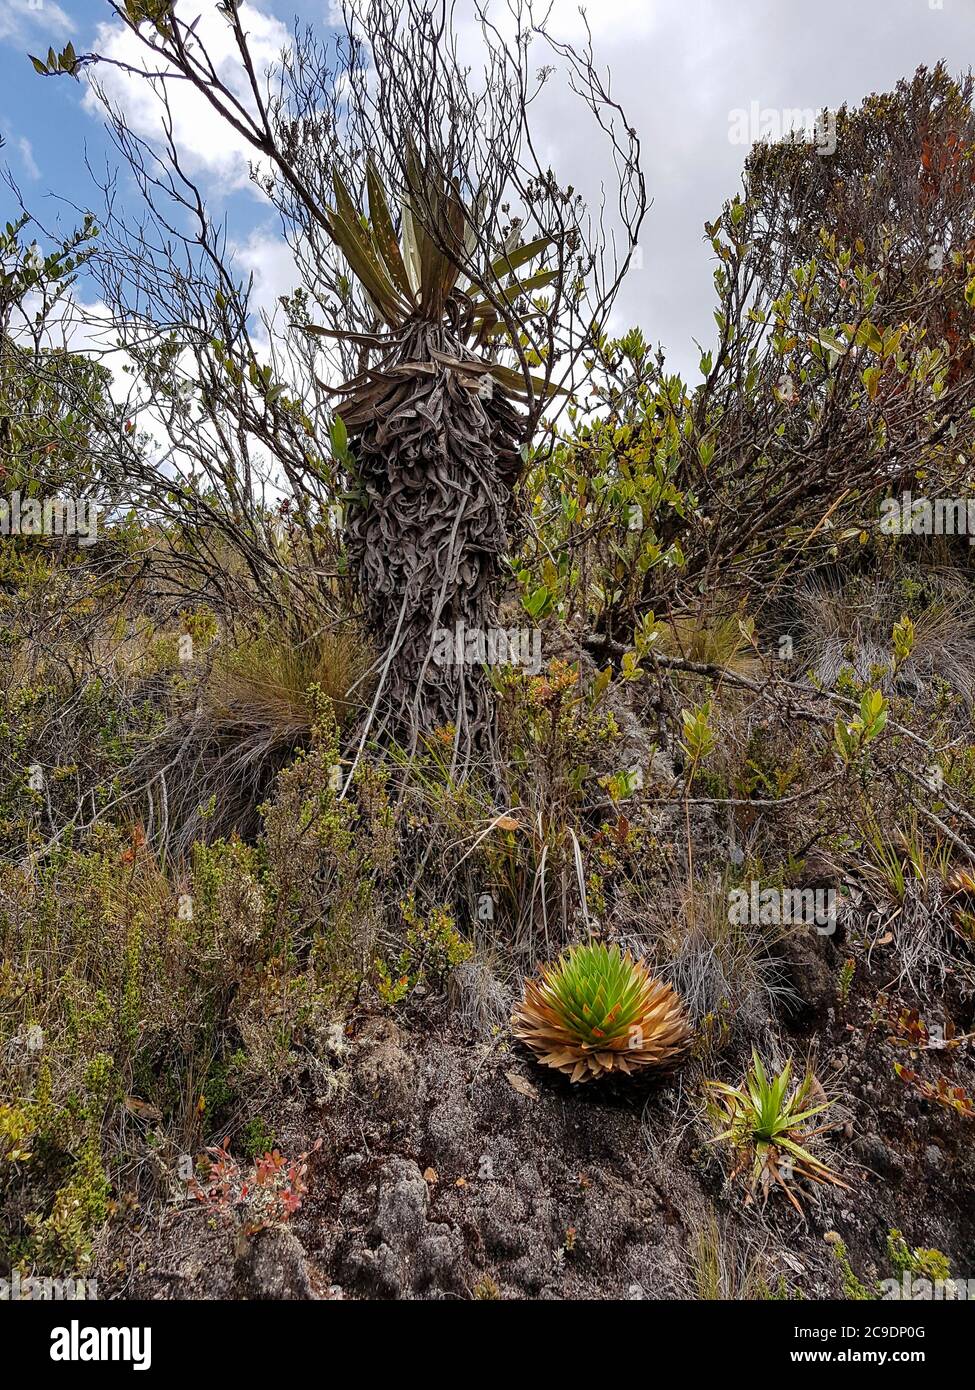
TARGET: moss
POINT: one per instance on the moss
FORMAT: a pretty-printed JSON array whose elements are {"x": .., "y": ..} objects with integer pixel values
[{"x": 853, "y": 1288}]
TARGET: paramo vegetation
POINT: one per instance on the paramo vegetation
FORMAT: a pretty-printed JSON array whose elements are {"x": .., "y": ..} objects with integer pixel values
[{"x": 246, "y": 820}]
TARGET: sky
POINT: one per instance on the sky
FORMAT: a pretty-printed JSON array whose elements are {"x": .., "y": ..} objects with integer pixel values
[{"x": 687, "y": 73}]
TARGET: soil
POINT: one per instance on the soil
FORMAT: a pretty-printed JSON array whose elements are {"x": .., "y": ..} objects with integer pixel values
[{"x": 458, "y": 1168}]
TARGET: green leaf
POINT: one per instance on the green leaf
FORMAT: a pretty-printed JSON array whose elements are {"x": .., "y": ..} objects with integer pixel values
[
  {"x": 383, "y": 230},
  {"x": 831, "y": 341},
  {"x": 351, "y": 241},
  {"x": 537, "y": 602},
  {"x": 513, "y": 379},
  {"x": 339, "y": 438},
  {"x": 510, "y": 261}
]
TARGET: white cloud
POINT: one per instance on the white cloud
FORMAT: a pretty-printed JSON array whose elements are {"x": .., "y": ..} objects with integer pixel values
[
  {"x": 205, "y": 141},
  {"x": 21, "y": 20},
  {"x": 27, "y": 157},
  {"x": 679, "y": 68},
  {"x": 268, "y": 257}
]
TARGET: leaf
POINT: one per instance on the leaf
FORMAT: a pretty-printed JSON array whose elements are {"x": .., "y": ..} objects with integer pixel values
[
  {"x": 383, "y": 231},
  {"x": 832, "y": 342},
  {"x": 871, "y": 380},
  {"x": 521, "y": 1085},
  {"x": 509, "y": 293},
  {"x": 513, "y": 379},
  {"x": 429, "y": 213},
  {"x": 510, "y": 261},
  {"x": 537, "y": 602},
  {"x": 339, "y": 438},
  {"x": 350, "y": 237},
  {"x": 411, "y": 254},
  {"x": 601, "y": 682},
  {"x": 869, "y": 337}
]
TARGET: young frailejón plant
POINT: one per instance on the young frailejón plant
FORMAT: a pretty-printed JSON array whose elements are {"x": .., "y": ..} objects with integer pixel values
[
  {"x": 596, "y": 1010},
  {"x": 764, "y": 1123}
]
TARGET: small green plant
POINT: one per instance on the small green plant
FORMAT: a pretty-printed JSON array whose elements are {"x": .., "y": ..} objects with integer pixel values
[
  {"x": 851, "y": 736},
  {"x": 894, "y": 860},
  {"x": 622, "y": 785},
  {"x": 847, "y": 972},
  {"x": 765, "y": 1123},
  {"x": 924, "y": 1262},
  {"x": 700, "y": 740},
  {"x": 919, "y": 1262},
  {"x": 853, "y": 1288},
  {"x": 904, "y": 638},
  {"x": 432, "y": 949},
  {"x": 257, "y": 1138}
]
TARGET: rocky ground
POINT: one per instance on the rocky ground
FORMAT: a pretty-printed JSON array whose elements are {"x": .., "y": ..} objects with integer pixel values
[{"x": 452, "y": 1168}]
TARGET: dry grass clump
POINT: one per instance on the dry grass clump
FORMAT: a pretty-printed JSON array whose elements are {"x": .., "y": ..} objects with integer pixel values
[
  {"x": 279, "y": 682},
  {"x": 711, "y": 639},
  {"x": 725, "y": 970},
  {"x": 845, "y": 626},
  {"x": 254, "y": 705}
]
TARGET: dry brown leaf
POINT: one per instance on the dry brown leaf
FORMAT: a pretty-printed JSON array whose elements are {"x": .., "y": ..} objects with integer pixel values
[{"x": 521, "y": 1085}]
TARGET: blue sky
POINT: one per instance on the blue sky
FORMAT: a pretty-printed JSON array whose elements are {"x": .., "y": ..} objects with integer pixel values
[
  {"x": 681, "y": 68},
  {"x": 52, "y": 127}
]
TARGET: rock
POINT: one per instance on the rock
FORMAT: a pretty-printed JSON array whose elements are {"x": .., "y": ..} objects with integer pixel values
[
  {"x": 386, "y": 1071},
  {"x": 807, "y": 957},
  {"x": 872, "y": 1151},
  {"x": 414, "y": 1255},
  {"x": 403, "y": 1200},
  {"x": 274, "y": 1266}
]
